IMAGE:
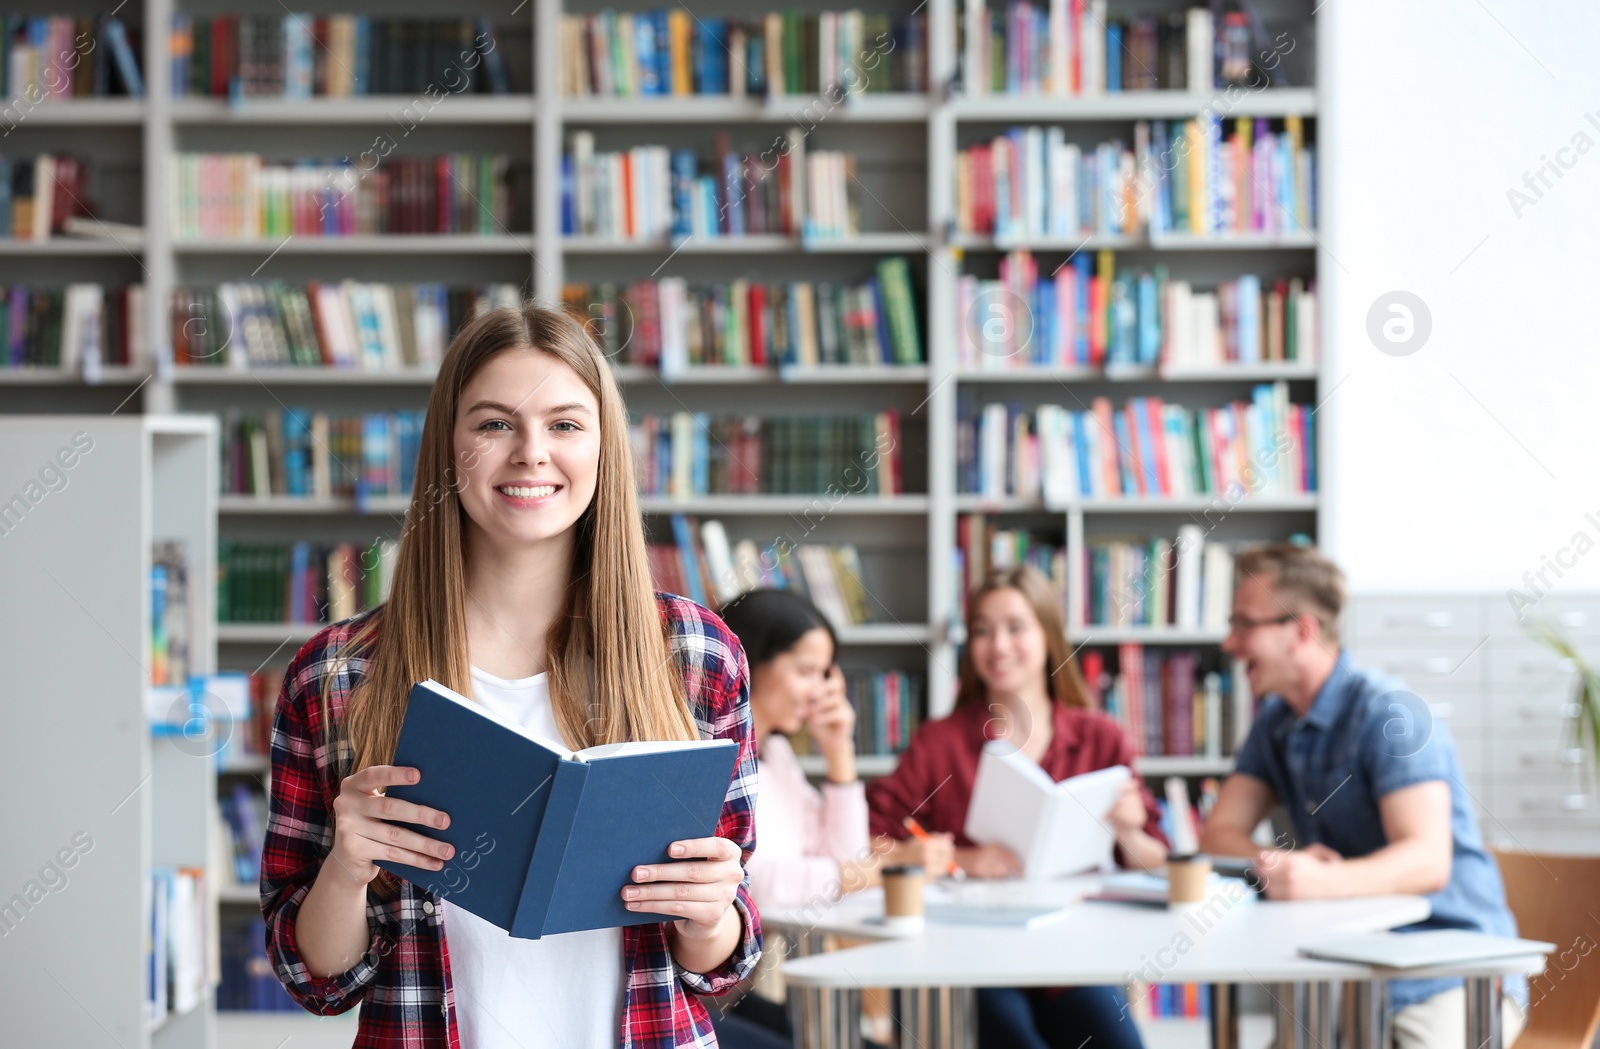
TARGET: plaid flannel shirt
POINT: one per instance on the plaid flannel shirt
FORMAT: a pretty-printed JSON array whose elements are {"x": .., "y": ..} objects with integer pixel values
[{"x": 403, "y": 980}]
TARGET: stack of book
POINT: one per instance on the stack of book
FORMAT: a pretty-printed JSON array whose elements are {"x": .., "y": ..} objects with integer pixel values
[
  {"x": 334, "y": 56},
  {"x": 55, "y": 57},
  {"x": 249, "y": 983},
  {"x": 1090, "y": 312},
  {"x": 1072, "y": 47},
  {"x": 651, "y": 192},
  {"x": 72, "y": 328},
  {"x": 688, "y": 454},
  {"x": 1186, "y": 584},
  {"x": 301, "y": 582},
  {"x": 242, "y": 196},
  {"x": 177, "y": 931},
  {"x": 1167, "y": 703},
  {"x": 673, "y": 325},
  {"x": 348, "y": 324},
  {"x": 1179, "y": 177},
  {"x": 888, "y": 706},
  {"x": 1146, "y": 449},
  {"x": 171, "y": 613},
  {"x": 252, "y": 736},
  {"x": 315, "y": 454},
  {"x": 675, "y": 53}
]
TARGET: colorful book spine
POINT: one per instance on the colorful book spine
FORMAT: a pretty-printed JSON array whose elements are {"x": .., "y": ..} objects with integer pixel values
[
  {"x": 233, "y": 196},
  {"x": 1146, "y": 449},
  {"x": 683, "y": 455}
]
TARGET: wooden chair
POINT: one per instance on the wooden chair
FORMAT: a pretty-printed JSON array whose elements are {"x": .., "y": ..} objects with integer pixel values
[{"x": 1557, "y": 898}]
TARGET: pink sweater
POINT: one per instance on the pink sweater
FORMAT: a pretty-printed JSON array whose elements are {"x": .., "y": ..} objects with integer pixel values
[{"x": 802, "y": 834}]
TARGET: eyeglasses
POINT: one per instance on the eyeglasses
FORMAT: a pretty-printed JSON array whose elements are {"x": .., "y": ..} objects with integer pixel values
[{"x": 1241, "y": 624}]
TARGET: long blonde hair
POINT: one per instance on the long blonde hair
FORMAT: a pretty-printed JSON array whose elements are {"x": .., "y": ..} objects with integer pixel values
[
  {"x": 609, "y": 619},
  {"x": 1065, "y": 680}
]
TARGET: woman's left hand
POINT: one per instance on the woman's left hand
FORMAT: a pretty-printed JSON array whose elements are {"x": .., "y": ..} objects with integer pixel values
[
  {"x": 699, "y": 891},
  {"x": 1127, "y": 812}
]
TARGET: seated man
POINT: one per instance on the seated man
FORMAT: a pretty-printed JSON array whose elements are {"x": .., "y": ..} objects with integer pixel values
[{"x": 1370, "y": 780}]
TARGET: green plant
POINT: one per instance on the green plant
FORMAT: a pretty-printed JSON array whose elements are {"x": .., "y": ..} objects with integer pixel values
[{"x": 1583, "y": 721}]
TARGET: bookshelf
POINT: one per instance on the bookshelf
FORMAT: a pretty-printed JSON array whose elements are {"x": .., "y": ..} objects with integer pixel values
[
  {"x": 135, "y": 798},
  {"x": 905, "y": 143}
]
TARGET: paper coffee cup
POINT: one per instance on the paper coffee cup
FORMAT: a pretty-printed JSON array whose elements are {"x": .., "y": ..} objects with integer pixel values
[
  {"x": 1187, "y": 877},
  {"x": 902, "y": 898}
]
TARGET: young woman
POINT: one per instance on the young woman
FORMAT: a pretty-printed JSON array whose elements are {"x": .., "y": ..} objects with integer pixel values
[
  {"x": 814, "y": 843},
  {"x": 1019, "y": 682},
  {"x": 520, "y": 581}
]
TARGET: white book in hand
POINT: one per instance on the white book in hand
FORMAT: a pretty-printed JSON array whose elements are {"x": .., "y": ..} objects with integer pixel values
[{"x": 1055, "y": 829}]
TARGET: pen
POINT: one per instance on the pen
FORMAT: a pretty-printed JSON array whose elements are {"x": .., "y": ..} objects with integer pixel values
[{"x": 921, "y": 835}]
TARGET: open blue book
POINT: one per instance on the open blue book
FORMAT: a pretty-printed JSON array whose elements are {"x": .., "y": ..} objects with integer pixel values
[{"x": 546, "y": 838}]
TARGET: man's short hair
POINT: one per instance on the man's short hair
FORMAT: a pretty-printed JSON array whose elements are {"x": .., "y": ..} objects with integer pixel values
[{"x": 1301, "y": 576}]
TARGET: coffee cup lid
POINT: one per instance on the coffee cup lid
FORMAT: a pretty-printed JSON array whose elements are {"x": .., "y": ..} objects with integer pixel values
[
  {"x": 903, "y": 869},
  {"x": 1188, "y": 857}
]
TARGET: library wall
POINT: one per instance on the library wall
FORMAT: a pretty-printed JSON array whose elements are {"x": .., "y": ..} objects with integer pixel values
[{"x": 1498, "y": 401}]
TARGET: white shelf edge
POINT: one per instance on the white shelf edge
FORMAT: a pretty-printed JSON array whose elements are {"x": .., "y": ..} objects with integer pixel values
[{"x": 451, "y": 109}]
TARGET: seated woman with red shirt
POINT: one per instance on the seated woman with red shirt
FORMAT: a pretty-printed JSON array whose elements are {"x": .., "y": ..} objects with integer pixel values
[{"x": 1019, "y": 682}]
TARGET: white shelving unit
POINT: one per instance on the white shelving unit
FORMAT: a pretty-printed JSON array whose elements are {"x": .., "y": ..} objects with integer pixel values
[{"x": 74, "y": 639}]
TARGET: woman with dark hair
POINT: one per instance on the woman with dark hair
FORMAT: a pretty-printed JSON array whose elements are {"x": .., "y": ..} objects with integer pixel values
[
  {"x": 814, "y": 843},
  {"x": 521, "y": 581},
  {"x": 1020, "y": 682}
]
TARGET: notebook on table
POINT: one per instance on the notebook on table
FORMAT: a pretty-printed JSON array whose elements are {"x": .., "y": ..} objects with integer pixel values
[
  {"x": 1011, "y": 915},
  {"x": 1054, "y": 828},
  {"x": 546, "y": 838},
  {"x": 1417, "y": 950}
]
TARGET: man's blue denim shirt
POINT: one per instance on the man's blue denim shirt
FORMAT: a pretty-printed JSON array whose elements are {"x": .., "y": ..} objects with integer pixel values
[{"x": 1365, "y": 736}]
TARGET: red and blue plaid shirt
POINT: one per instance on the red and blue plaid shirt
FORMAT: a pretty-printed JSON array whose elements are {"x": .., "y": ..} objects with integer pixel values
[{"x": 403, "y": 980}]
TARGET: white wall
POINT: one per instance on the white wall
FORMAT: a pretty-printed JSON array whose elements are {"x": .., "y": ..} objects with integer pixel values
[{"x": 1462, "y": 465}]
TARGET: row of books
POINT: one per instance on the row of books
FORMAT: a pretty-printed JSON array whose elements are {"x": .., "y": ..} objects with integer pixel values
[
  {"x": 333, "y": 56},
  {"x": 171, "y": 613},
  {"x": 687, "y": 454},
  {"x": 1158, "y": 582},
  {"x": 40, "y": 196},
  {"x": 1072, "y": 47},
  {"x": 1169, "y": 1001},
  {"x": 177, "y": 932},
  {"x": 651, "y": 192},
  {"x": 1091, "y": 312},
  {"x": 348, "y": 324},
  {"x": 888, "y": 705},
  {"x": 252, "y": 736},
  {"x": 702, "y": 564},
  {"x": 673, "y": 53},
  {"x": 301, "y": 582},
  {"x": 1166, "y": 702},
  {"x": 242, "y": 196},
  {"x": 315, "y": 454},
  {"x": 1147, "y": 449},
  {"x": 73, "y": 328},
  {"x": 674, "y": 325},
  {"x": 1180, "y": 177},
  {"x": 55, "y": 57},
  {"x": 249, "y": 982},
  {"x": 983, "y": 546}
]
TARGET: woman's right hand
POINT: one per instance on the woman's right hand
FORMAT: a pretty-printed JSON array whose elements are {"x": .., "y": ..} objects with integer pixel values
[
  {"x": 933, "y": 855},
  {"x": 990, "y": 861},
  {"x": 361, "y": 835}
]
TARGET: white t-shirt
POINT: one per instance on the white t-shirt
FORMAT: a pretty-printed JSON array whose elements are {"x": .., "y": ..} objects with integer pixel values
[{"x": 557, "y": 991}]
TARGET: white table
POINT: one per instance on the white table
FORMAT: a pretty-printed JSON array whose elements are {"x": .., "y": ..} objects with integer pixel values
[{"x": 1235, "y": 939}]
